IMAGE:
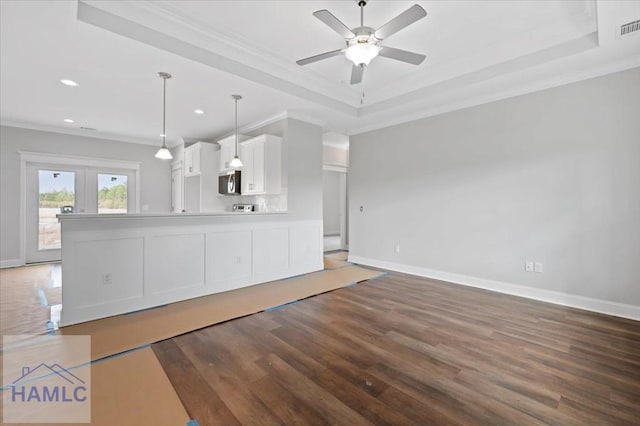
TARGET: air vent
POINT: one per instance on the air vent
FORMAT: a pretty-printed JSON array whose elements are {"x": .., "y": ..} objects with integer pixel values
[
  {"x": 629, "y": 28},
  {"x": 87, "y": 128}
]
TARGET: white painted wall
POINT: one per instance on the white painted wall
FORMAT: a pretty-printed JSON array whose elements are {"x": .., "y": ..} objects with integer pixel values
[
  {"x": 332, "y": 156},
  {"x": 331, "y": 201},
  {"x": 552, "y": 176},
  {"x": 155, "y": 175}
]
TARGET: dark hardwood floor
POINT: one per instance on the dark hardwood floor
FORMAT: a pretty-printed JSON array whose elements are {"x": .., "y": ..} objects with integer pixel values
[{"x": 404, "y": 350}]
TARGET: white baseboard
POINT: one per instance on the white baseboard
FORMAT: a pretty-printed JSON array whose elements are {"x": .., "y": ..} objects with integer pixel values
[
  {"x": 11, "y": 263},
  {"x": 574, "y": 301}
]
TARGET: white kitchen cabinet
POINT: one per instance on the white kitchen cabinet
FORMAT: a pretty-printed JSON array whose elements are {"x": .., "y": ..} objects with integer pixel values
[
  {"x": 262, "y": 165},
  {"x": 192, "y": 159},
  {"x": 201, "y": 178},
  {"x": 228, "y": 150}
]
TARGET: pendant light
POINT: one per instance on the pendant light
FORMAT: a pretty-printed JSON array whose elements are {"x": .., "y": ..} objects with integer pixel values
[
  {"x": 236, "y": 163},
  {"x": 164, "y": 153}
]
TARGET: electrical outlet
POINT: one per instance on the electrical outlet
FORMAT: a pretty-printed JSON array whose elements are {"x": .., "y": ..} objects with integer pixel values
[
  {"x": 396, "y": 248},
  {"x": 537, "y": 267},
  {"x": 106, "y": 279},
  {"x": 528, "y": 266}
]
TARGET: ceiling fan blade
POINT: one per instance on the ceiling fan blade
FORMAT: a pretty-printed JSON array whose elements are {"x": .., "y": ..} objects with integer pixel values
[
  {"x": 356, "y": 74},
  {"x": 334, "y": 23},
  {"x": 406, "y": 18},
  {"x": 319, "y": 57},
  {"x": 402, "y": 55}
]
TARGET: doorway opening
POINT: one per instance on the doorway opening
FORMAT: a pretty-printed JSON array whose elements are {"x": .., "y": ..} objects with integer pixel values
[{"x": 335, "y": 160}]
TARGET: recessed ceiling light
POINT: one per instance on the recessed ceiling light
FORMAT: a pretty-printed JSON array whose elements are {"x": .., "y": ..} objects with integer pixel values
[
  {"x": 68, "y": 82},
  {"x": 198, "y": 111},
  {"x": 68, "y": 120}
]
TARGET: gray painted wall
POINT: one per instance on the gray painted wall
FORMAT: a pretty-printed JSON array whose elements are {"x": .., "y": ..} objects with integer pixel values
[
  {"x": 552, "y": 176},
  {"x": 302, "y": 160},
  {"x": 155, "y": 175},
  {"x": 331, "y": 202}
]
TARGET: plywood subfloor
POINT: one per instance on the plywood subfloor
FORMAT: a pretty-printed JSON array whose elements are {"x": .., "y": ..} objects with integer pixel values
[
  {"x": 132, "y": 389},
  {"x": 334, "y": 264},
  {"x": 339, "y": 255},
  {"x": 336, "y": 260},
  {"x": 124, "y": 332}
]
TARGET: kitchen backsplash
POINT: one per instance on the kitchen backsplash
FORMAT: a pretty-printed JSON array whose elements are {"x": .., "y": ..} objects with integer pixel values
[{"x": 263, "y": 203}]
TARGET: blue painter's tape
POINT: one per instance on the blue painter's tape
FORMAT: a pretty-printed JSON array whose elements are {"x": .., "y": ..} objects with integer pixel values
[
  {"x": 43, "y": 298},
  {"x": 106, "y": 358},
  {"x": 380, "y": 275},
  {"x": 273, "y": 308},
  {"x": 192, "y": 422}
]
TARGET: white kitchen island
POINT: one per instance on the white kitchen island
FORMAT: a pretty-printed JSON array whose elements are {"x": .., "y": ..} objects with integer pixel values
[{"x": 115, "y": 264}]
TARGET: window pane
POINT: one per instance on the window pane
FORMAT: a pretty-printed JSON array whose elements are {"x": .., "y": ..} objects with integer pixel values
[
  {"x": 112, "y": 193},
  {"x": 56, "y": 195}
]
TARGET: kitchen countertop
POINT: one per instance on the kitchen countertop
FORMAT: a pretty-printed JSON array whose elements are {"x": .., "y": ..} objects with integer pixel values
[{"x": 81, "y": 216}]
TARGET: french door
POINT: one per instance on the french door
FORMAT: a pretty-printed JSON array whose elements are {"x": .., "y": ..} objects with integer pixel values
[{"x": 53, "y": 189}]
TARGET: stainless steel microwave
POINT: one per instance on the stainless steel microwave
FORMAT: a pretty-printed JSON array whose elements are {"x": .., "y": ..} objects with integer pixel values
[{"x": 230, "y": 183}]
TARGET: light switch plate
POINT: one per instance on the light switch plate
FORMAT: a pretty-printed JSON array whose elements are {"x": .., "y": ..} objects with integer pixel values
[{"x": 537, "y": 267}]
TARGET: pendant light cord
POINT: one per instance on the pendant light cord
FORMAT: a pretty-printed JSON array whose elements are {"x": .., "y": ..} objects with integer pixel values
[
  {"x": 164, "y": 111},
  {"x": 236, "y": 126}
]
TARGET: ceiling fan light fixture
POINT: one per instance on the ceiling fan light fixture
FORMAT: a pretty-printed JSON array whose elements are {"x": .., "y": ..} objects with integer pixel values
[{"x": 362, "y": 53}]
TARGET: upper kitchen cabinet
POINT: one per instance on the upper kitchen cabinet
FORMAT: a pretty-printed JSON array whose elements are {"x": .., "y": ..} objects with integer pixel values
[
  {"x": 200, "y": 178},
  {"x": 193, "y": 158},
  {"x": 228, "y": 150},
  {"x": 262, "y": 165}
]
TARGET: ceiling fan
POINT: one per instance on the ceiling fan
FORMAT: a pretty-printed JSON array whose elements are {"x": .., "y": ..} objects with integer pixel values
[{"x": 363, "y": 43}]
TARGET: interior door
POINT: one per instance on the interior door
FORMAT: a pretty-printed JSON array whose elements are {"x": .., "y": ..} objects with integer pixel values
[{"x": 51, "y": 190}]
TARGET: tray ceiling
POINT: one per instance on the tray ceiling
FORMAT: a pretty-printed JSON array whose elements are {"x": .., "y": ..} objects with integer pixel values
[{"x": 477, "y": 51}]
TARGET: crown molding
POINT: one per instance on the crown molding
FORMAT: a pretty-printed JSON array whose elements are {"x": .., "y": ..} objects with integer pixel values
[
  {"x": 300, "y": 116},
  {"x": 282, "y": 115},
  {"x": 83, "y": 133},
  {"x": 401, "y": 117}
]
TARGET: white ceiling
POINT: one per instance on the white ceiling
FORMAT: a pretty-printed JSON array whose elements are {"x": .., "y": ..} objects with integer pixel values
[{"x": 477, "y": 51}]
